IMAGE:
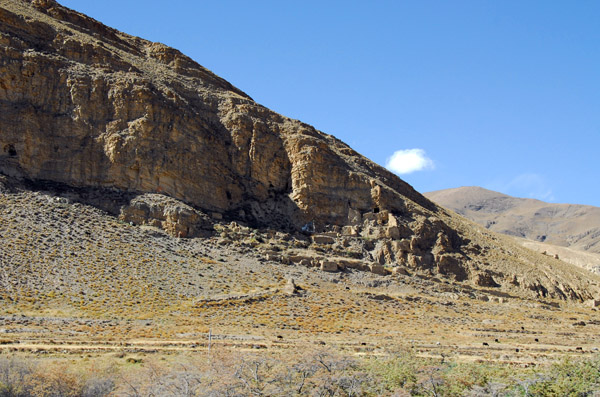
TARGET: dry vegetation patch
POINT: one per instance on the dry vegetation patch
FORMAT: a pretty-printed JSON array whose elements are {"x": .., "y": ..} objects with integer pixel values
[{"x": 78, "y": 284}]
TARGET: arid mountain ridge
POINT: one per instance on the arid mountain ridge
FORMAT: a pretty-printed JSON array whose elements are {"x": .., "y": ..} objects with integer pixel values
[
  {"x": 567, "y": 225},
  {"x": 121, "y": 112},
  {"x": 96, "y": 117}
]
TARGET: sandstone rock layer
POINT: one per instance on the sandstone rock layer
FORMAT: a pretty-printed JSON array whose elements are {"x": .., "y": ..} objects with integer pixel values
[
  {"x": 84, "y": 105},
  {"x": 87, "y": 105}
]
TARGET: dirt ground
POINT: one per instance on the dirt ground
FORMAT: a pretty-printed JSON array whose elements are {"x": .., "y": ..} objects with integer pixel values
[{"x": 76, "y": 281}]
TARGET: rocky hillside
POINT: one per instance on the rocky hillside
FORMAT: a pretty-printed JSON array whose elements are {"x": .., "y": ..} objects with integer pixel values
[
  {"x": 95, "y": 117},
  {"x": 87, "y": 105},
  {"x": 566, "y": 225}
]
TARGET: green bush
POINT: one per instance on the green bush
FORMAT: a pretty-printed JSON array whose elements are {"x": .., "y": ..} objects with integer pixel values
[
  {"x": 568, "y": 378},
  {"x": 426, "y": 377},
  {"x": 400, "y": 372}
]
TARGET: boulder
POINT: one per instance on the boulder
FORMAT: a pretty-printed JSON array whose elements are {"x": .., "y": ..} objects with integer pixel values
[
  {"x": 399, "y": 270},
  {"x": 354, "y": 217},
  {"x": 304, "y": 260},
  {"x": 352, "y": 264},
  {"x": 400, "y": 247},
  {"x": 376, "y": 268},
  {"x": 175, "y": 217},
  {"x": 484, "y": 279},
  {"x": 451, "y": 265},
  {"x": 351, "y": 231},
  {"x": 593, "y": 302},
  {"x": 323, "y": 239},
  {"x": 329, "y": 266},
  {"x": 392, "y": 232},
  {"x": 290, "y": 287},
  {"x": 273, "y": 256}
]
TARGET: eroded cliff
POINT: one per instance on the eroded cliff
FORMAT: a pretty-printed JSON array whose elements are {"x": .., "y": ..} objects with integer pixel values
[{"x": 84, "y": 105}]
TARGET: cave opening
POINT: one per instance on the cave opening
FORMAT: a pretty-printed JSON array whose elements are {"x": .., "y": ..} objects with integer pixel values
[{"x": 10, "y": 149}]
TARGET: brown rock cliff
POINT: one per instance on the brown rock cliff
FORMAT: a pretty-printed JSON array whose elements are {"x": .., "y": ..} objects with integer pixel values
[{"x": 86, "y": 105}]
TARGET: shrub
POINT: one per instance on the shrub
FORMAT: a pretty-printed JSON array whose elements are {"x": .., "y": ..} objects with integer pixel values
[
  {"x": 13, "y": 377},
  {"x": 55, "y": 381},
  {"x": 397, "y": 372},
  {"x": 24, "y": 378},
  {"x": 310, "y": 373},
  {"x": 98, "y": 387},
  {"x": 568, "y": 378}
]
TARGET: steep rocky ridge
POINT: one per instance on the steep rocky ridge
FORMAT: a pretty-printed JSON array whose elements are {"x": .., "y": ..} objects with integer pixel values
[
  {"x": 89, "y": 106},
  {"x": 566, "y": 225},
  {"x": 167, "y": 143}
]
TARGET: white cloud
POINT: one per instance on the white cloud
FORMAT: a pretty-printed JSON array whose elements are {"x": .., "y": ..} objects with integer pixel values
[
  {"x": 531, "y": 186},
  {"x": 527, "y": 185},
  {"x": 409, "y": 160}
]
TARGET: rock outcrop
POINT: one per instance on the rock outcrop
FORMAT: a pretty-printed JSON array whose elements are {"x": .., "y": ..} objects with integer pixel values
[
  {"x": 86, "y": 106},
  {"x": 173, "y": 216}
]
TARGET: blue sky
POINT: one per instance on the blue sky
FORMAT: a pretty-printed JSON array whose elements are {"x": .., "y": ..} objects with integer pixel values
[{"x": 499, "y": 94}]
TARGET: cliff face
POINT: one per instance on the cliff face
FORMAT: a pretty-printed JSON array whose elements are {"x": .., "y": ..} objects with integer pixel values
[{"x": 86, "y": 105}]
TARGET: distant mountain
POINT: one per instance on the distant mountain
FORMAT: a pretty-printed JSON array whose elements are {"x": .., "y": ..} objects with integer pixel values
[{"x": 567, "y": 225}]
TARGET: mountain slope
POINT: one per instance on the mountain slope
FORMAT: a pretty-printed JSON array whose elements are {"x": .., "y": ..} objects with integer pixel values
[
  {"x": 567, "y": 225},
  {"x": 95, "y": 117},
  {"x": 86, "y": 105},
  {"x": 76, "y": 283}
]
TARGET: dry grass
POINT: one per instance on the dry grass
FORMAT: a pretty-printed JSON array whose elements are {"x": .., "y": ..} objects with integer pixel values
[{"x": 77, "y": 281}]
